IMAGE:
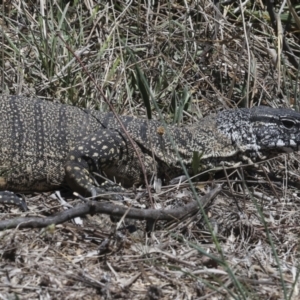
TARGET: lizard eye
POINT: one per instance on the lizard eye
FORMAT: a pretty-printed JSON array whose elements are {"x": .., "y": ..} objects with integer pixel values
[{"x": 288, "y": 123}]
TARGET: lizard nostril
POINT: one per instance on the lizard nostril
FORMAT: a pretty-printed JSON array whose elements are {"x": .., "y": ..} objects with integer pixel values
[{"x": 287, "y": 123}]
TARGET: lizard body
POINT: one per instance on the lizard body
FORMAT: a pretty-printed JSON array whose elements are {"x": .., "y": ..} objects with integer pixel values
[{"x": 46, "y": 145}]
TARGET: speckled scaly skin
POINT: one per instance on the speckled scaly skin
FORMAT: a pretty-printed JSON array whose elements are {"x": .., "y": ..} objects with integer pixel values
[{"x": 46, "y": 145}]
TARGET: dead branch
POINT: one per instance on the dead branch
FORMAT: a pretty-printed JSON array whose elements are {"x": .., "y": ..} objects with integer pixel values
[{"x": 92, "y": 207}]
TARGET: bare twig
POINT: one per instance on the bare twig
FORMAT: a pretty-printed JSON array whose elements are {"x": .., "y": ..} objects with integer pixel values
[{"x": 110, "y": 209}]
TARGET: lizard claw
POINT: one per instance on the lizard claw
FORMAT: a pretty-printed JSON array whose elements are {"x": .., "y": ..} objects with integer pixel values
[{"x": 108, "y": 192}]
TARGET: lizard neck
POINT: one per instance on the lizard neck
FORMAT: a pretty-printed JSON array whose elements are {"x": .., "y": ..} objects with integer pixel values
[{"x": 237, "y": 126}]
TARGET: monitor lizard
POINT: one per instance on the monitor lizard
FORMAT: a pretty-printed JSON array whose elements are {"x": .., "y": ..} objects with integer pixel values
[{"x": 46, "y": 145}]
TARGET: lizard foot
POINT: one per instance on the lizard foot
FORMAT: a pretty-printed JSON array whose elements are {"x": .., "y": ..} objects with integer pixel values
[
  {"x": 108, "y": 190},
  {"x": 7, "y": 197}
]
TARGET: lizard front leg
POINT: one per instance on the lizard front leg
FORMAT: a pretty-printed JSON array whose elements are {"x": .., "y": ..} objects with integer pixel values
[{"x": 105, "y": 151}]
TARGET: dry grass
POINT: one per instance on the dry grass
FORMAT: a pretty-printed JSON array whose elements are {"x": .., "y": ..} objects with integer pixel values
[{"x": 188, "y": 59}]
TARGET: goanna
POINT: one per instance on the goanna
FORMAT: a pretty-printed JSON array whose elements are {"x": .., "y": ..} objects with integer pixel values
[{"x": 45, "y": 145}]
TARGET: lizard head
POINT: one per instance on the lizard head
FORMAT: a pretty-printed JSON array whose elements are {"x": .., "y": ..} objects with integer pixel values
[{"x": 276, "y": 129}]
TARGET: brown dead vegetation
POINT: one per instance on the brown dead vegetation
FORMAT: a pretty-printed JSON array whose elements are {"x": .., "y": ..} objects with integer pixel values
[{"x": 189, "y": 59}]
